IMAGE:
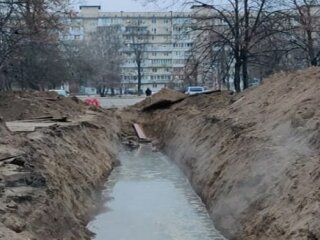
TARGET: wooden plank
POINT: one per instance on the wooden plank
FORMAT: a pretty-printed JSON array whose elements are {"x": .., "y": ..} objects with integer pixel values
[
  {"x": 140, "y": 133},
  {"x": 14, "y": 128},
  {"x": 9, "y": 158},
  {"x": 19, "y": 126},
  {"x": 46, "y": 119},
  {"x": 40, "y": 118}
]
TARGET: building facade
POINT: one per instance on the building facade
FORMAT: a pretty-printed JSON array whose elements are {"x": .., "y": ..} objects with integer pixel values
[{"x": 163, "y": 38}]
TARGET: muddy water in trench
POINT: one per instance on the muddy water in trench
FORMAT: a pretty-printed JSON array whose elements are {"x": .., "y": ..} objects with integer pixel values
[{"x": 150, "y": 199}]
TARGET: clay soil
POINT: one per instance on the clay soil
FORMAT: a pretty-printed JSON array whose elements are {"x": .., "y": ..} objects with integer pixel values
[
  {"x": 49, "y": 178},
  {"x": 253, "y": 158}
]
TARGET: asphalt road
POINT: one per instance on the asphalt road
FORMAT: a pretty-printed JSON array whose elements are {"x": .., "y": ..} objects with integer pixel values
[{"x": 116, "y": 102}]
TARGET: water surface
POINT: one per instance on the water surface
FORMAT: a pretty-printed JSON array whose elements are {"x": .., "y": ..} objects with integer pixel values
[{"x": 150, "y": 199}]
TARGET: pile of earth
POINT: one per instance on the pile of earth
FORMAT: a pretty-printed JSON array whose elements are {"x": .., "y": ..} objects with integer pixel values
[
  {"x": 253, "y": 158},
  {"x": 3, "y": 129},
  {"x": 161, "y": 99},
  {"x": 126, "y": 117},
  {"x": 50, "y": 179},
  {"x": 30, "y": 104}
]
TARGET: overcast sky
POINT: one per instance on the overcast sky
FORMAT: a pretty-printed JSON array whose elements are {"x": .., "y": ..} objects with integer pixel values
[{"x": 132, "y": 5}]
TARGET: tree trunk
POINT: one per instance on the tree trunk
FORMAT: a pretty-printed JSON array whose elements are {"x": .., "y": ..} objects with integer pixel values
[
  {"x": 311, "y": 50},
  {"x": 244, "y": 49},
  {"x": 139, "y": 78},
  {"x": 245, "y": 71},
  {"x": 237, "y": 78},
  {"x": 237, "y": 53}
]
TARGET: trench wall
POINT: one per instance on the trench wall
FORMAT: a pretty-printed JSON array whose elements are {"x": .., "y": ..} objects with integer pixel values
[
  {"x": 63, "y": 169},
  {"x": 246, "y": 157}
]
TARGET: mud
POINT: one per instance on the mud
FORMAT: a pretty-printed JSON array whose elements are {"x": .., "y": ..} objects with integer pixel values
[
  {"x": 253, "y": 158},
  {"x": 49, "y": 178}
]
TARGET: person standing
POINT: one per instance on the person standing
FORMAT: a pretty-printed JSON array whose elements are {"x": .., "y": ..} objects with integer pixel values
[{"x": 148, "y": 92}]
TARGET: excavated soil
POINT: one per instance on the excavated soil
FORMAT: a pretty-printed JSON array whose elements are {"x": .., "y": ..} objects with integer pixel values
[
  {"x": 49, "y": 178},
  {"x": 25, "y": 105},
  {"x": 165, "y": 97},
  {"x": 253, "y": 158}
]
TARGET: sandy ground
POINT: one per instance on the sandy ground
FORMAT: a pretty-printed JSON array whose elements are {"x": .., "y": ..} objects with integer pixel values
[
  {"x": 49, "y": 178},
  {"x": 253, "y": 158}
]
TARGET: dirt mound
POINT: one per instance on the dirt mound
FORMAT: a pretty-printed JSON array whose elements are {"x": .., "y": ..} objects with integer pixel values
[
  {"x": 159, "y": 100},
  {"x": 49, "y": 189},
  {"x": 253, "y": 158},
  {"x": 49, "y": 178},
  {"x": 3, "y": 129},
  {"x": 291, "y": 99},
  {"x": 26, "y": 105}
]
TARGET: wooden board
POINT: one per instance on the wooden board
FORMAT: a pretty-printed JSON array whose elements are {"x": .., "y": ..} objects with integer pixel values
[
  {"x": 140, "y": 133},
  {"x": 20, "y": 126}
]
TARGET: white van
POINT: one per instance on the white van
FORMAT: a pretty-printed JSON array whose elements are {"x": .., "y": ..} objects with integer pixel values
[
  {"x": 194, "y": 90},
  {"x": 60, "y": 92}
]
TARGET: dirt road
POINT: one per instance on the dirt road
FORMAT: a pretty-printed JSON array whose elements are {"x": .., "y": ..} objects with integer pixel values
[{"x": 116, "y": 102}]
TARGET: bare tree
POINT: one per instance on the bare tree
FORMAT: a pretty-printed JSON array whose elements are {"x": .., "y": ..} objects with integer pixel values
[
  {"x": 101, "y": 56},
  {"x": 211, "y": 58},
  {"x": 137, "y": 39},
  {"x": 81, "y": 67},
  {"x": 24, "y": 24},
  {"x": 239, "y": 25},
  {"x": 304, "y": 31},
  {"x": 9, "y": 30}
]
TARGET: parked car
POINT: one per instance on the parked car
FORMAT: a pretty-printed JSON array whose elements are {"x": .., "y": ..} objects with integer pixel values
[
  {"x": 60, "y": 92},
  {"x": 194, "y": 90},
  {"x": 130, "y": 91}
]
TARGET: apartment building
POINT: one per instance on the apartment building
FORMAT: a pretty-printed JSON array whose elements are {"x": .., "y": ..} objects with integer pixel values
[{"x": 164, "y": 35}]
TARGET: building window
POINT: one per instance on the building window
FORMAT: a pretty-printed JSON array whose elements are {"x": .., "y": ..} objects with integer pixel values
[
  {"x": 75, "y": 28},
  {"x": 154, "y": 85},
  {"x": 154, "y": 70},
  {"x": 154, "y": 54},
  {"x": 154, "y": 20}
]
